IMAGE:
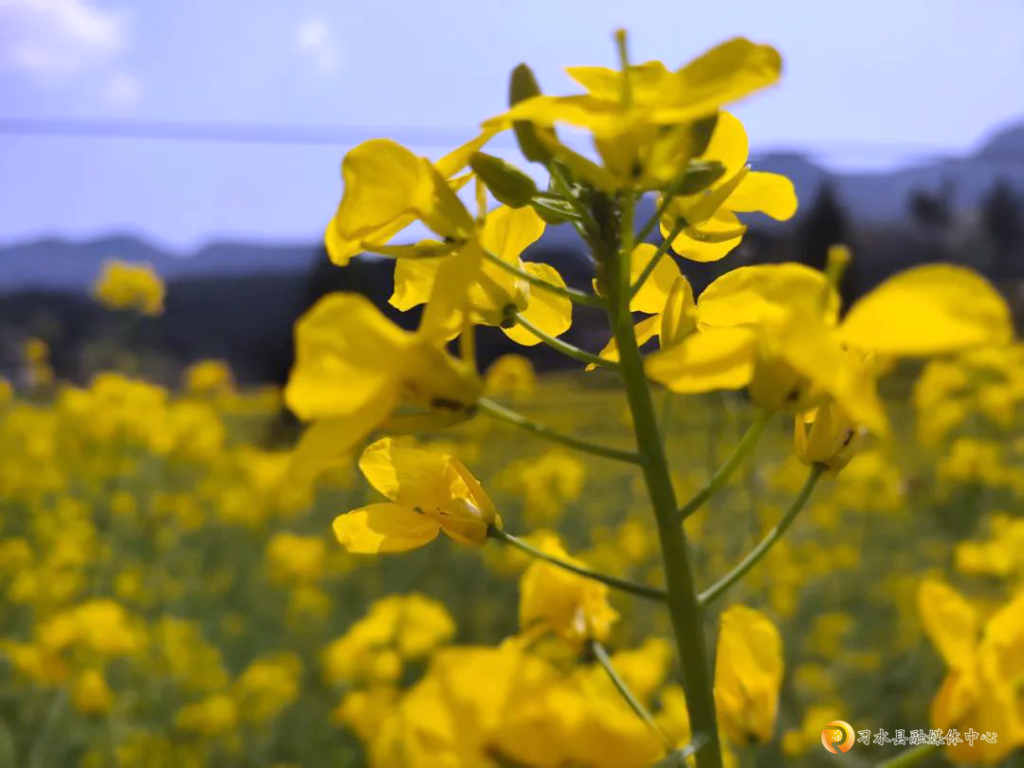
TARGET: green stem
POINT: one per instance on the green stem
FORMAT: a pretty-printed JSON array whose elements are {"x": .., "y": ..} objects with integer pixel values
[
  {"x": 501, "y": 413},
  {"x": 685, "y": 610},
  {"x": 724, "y": 472},
  {"x": 577, "y": 297},
  {"x": 565, "y": 348},
  {"x": 664, "y": 425},
  {"x": 658, "y": 254},
  {"x": 910, "y": 757},
  {"x": 640, "y": 590},
  {"x": 562, "y": 185},
  {"x": 666, "y": 200},
  {"x": 717, "y": 589},
  {"x": 634, "y": 703}
]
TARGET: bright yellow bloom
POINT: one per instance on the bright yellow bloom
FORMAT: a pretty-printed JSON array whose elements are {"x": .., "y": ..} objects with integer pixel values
[
  {"x": 122, "y": 285},
  {"x": 644, "y": 130},
  {"x": 552, "y": 599},
  {"x": 90, "y": 693},
  {"x": 387, "y": 187},
  {"x": 712, "y": 229},
  {"x": 774, "y": 328},
  {"x": 216, "y": 715},
  {"x": 397, "y": 628},
  {"x": 429, "y": 492},
  {"x": 209, "y": 377},
  {"x": 294, "y": 559},
  {"x": 267, "y": 686},
  {"x": 748, "y": 674},
  {"x": 354, "y": 368},
  {"x": 982, "y": 688},
  {"x": 101, "y": 626},
  {"x": 495, "y": 295}
]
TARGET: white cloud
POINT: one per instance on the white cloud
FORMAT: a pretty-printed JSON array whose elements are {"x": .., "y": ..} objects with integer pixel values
[
  {"x": 58, "y": 38},
  {"x": 122, "y": 90},
  {"x": 315, "y": 40}
]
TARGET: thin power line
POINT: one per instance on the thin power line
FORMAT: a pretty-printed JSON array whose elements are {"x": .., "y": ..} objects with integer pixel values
[{"x": 423, "y": 136}]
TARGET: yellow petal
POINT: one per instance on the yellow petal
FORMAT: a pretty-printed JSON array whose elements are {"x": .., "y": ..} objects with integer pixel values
[
  {"x": 326, "y": 443},
  {"x": 727, "y": 232},
  {"x": 679, "y": 318},
  {"x": 654, "y": 293},
  {"x": 765, "y": 293},
  {"x": 333, "y": 343},
  {"x": 949, "y": 621},
  {"x": 408, "y": 475},
  {"x": 385, "y": 184},
  {"x": 768, "y": 193},
  {"x": 727, "y": 73},
  {"x": 729, "y": 144},
  {"x": 384, "y": 528},
  {"x": 929, "y": 310},
  {"x": 548, "y": 311},
  {"x": 507, "y": 232},
  {"x": 646, "y": 80},
  {"x": 414, "y": 280},
  {"x": 718, "y": 358}
]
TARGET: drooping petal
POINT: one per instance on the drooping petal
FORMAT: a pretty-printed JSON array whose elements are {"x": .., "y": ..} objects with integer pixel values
[
  {"x": 414, "y": 281},
  {"x": 929, "y": 310},
  {"x": 345, "y": 355},
  {"x": 384, "y": 527},
  {"x": 326, "y": 443}
]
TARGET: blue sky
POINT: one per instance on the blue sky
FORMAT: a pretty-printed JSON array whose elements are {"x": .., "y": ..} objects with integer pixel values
[{"x": 867, "y": 85}]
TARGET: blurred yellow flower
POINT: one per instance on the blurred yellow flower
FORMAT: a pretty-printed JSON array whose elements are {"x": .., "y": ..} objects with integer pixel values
[
  {"x": 209, "y": 377},
  {"x": 552, "y": 599},
  {"x": 397, "y": 628},
  {"x": 90, "y": 694},
  {"x": 511, "y": 376},
  {"x": 296, "y": 560},
  {"x": 123, "y": 285},
  {"x": 353, "y": 368},
  {"x": 983, "y": 684},
  {"x": 748, "y": 674}
]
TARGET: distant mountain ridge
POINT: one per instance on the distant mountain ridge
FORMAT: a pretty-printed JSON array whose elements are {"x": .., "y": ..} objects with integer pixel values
[{"x": 868, "y": 198}]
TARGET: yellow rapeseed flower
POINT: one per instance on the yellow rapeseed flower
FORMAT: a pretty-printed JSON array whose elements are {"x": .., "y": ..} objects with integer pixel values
[
  {"x": 123, "y": 285},
  {"x": 428, "y": 492},
  {"x": 748, "y": 674}
]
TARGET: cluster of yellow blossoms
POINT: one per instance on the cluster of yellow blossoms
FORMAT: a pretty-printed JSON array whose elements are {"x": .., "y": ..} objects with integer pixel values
[
  {"x": 164, "y": 571},
  {"x": 776, "y": 331}
]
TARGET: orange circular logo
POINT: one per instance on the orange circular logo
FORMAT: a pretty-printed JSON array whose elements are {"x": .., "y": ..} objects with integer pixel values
[{"x": 837, "y": 737}]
